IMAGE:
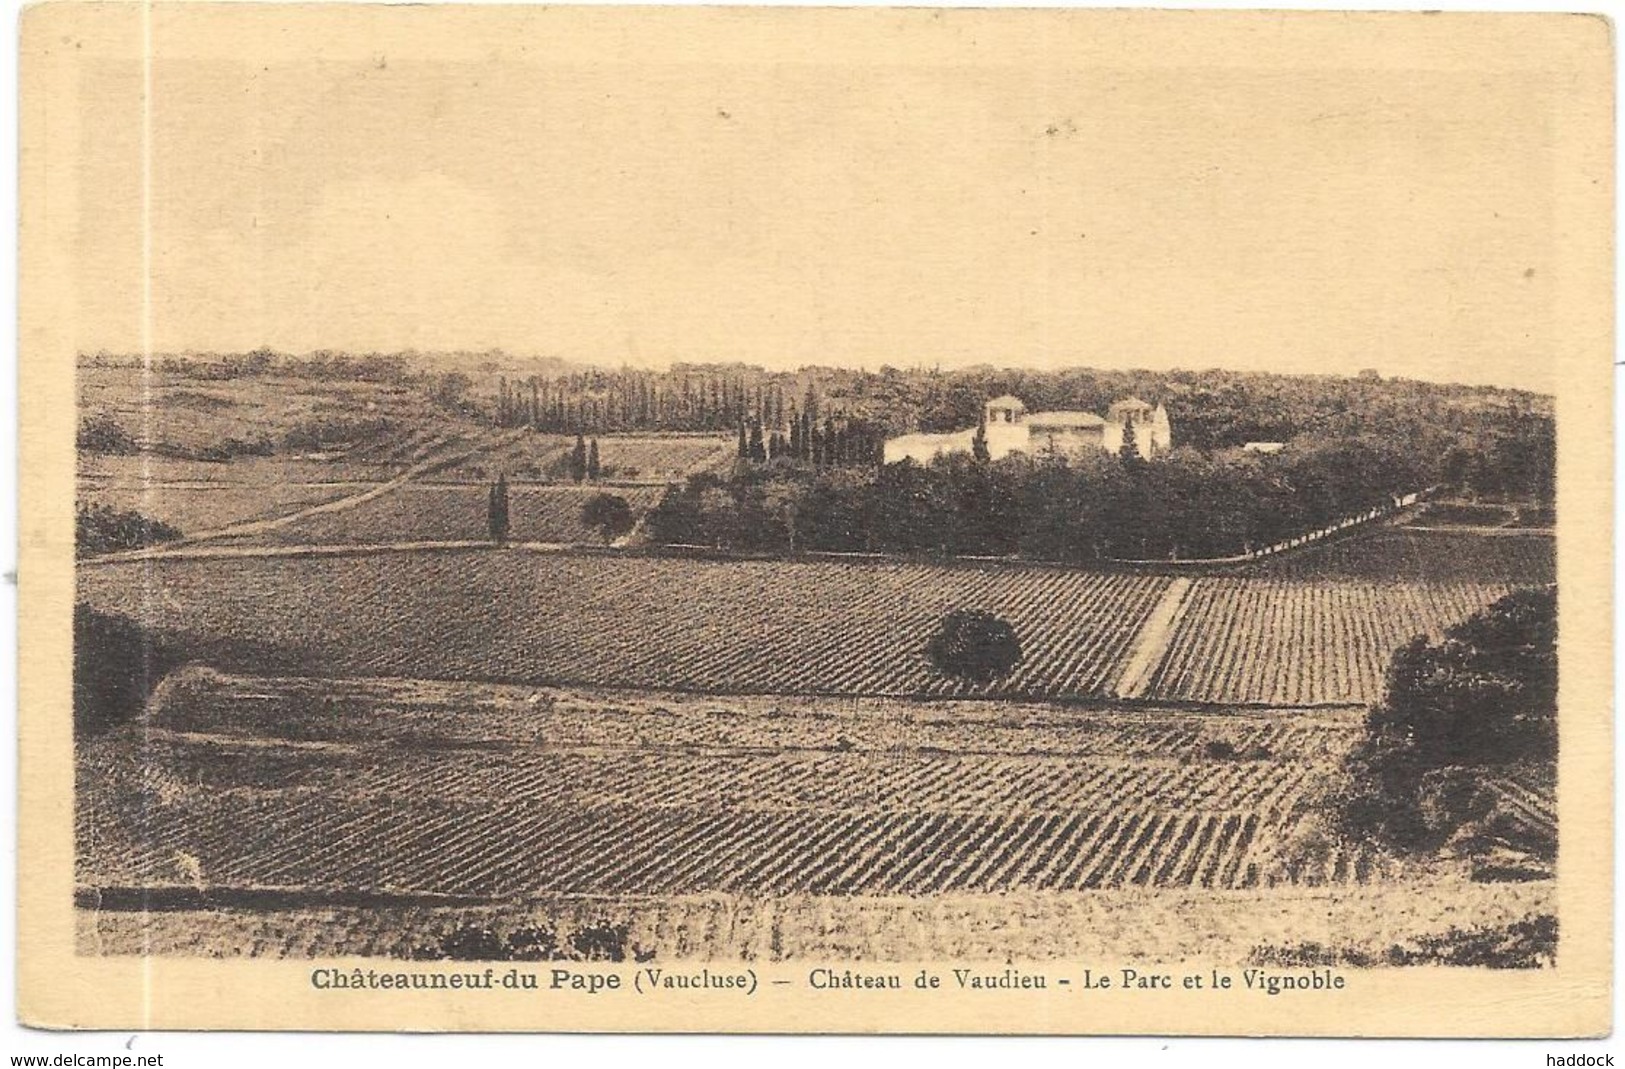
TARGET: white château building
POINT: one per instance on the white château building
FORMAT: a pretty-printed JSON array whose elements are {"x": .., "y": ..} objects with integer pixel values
[{"x": 1012, "y": 429}]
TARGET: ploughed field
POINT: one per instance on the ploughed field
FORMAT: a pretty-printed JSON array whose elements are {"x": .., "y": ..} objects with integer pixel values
[
  {"x": 314, "y": 788},
  {"x": 201, "y": 497},
  {"x": 800, "y": 627},
  {"x": 450, "y": 512}
]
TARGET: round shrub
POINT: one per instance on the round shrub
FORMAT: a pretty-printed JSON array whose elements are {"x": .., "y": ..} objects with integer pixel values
[{"x": 973, "y": 645}]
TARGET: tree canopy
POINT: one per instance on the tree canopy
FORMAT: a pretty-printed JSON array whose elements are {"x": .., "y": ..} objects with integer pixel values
[
  {"x": 974, "y": 645},
  {"x": 610, "y": 514},
  {"x": 1459, "y": 715}
]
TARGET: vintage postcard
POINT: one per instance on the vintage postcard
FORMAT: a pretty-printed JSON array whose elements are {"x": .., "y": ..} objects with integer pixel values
[{"x": 638, "y": 519}]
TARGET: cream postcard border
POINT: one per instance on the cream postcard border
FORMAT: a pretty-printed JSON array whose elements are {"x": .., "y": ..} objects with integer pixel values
[{"x": 57, "y": 988}]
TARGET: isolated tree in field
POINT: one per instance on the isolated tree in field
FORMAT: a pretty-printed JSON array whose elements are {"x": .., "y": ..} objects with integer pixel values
[
  {"x": 496, "y": 512},
  {"x": 592, "y": 461},
  {"x": 578, "y": 459},
  {"x": 975, "y": 646},
  {"x": 610, "y": 514}
]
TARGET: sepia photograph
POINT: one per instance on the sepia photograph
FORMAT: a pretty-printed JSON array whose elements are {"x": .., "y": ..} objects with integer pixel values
[{"x": 598, "y": 494}]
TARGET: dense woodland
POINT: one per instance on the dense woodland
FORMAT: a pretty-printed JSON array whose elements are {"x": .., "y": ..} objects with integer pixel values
[{"x": 1187, "y": 505}]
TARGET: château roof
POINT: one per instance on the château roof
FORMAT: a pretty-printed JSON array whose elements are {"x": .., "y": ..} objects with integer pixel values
[
  {"x": 1064, "y": 419},
  {"x": 1128, "y": 404}
]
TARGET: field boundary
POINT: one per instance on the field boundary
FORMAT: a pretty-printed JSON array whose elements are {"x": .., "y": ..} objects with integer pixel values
[
  {"x": 1090, "y": 702},
  {"x": 179, "y": 898}
]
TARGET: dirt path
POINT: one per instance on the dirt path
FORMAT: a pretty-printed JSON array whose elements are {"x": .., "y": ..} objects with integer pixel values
[
  {"x": 1494, "y": 532},
  {"x": 1151, "y": 644}
]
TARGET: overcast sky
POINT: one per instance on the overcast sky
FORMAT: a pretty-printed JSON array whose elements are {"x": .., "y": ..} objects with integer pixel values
[{"x": 1285, "y": 217}]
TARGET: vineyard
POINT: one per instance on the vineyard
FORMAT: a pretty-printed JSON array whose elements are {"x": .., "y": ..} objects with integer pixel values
[
  {"x": 784, "y": 627},
  {"x": 1399, "y": 554},
  {"x": 660, "y": 460},
  {"x": 522, "y": 458},
  {"x": 201, "y": 496},
  {"x": 196, "y": 495},
  {"x": 760, "y": 626},
  {"x": 1137, "y": 800},
  {"x": 1285, "y": 642}
]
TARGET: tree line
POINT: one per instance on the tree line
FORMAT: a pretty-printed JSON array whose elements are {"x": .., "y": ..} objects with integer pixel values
[
  {"x": 1186, "y": 505},
  {"x": 673, "y": 401}
]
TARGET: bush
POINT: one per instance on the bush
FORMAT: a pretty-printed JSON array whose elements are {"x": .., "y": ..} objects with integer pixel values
[
  {"x": 609, "y": 513},
  {"x": 102, "y": 434},
  {"x": 973, "y": 645},
  {"x": 1530, "y": 943},
  {"x": 116, "y": 665},
  {"x": 103, "y": 529},
  {"x": 319, "y": 434},
  {"x": 231, "y": 448}
]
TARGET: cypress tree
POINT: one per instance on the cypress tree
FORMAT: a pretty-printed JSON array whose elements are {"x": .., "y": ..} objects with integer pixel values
[
  {"x": 978, "y": 442},
  {"x": 592, "y": 461},
  {"x": 1129, "y": 451},
  {"x": 743, "y": 451},
  {"x": 496, "y": 516},
  {"x": 758, "y": 452},
  {"x": 578, "y": 459}
]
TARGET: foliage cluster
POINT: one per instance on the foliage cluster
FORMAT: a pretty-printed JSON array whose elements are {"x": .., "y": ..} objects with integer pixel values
[
  {"x": 1458, "y": 714},
  {"x": 1185, "y": 505}
]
